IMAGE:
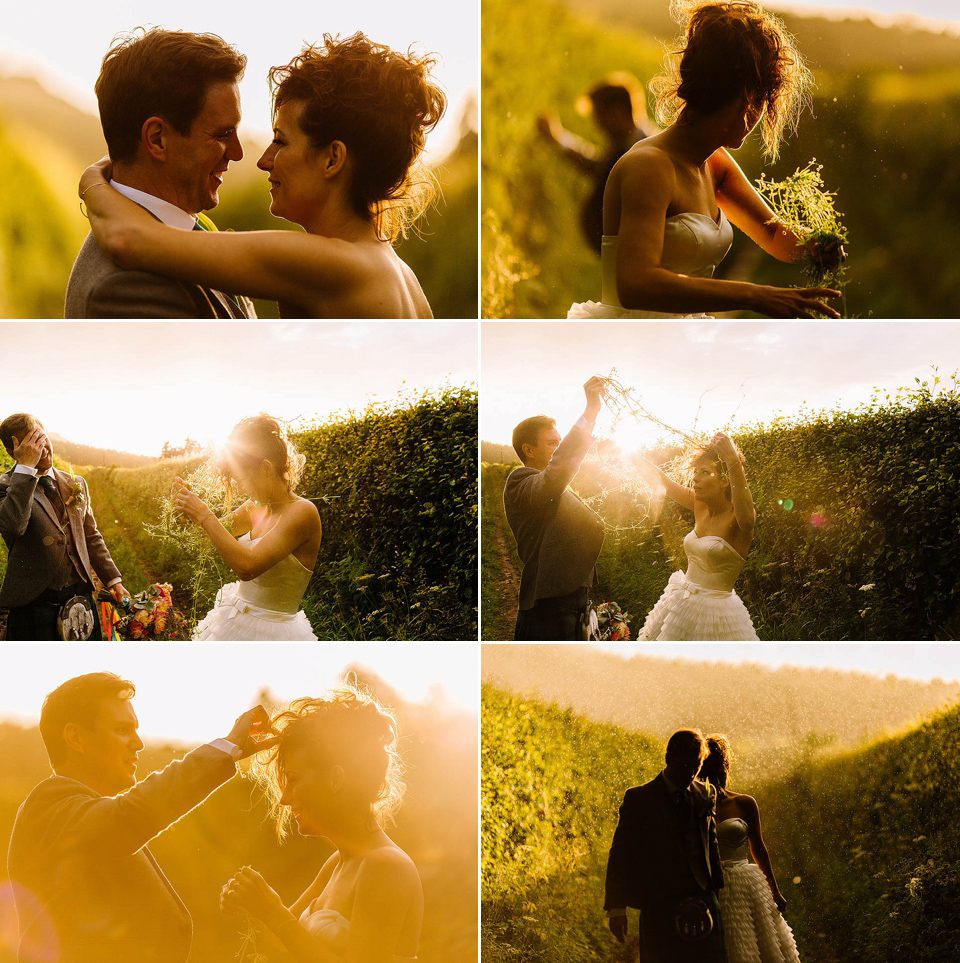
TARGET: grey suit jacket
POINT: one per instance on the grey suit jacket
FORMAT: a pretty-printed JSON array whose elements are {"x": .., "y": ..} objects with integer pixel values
[
  {"x": 558, "y": 536},
  {"x": 99, "y": 289},
  {"x": 85, "y": 881},
  {"x": 37, "y": 541}
]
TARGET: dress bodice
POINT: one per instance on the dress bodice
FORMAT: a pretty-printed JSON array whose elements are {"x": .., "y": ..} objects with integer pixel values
[
  {"x": 712, "y": 562},
  {"x": 332, "y": 929},
  {"x": 693, "y": 244},
  {"x": 733, "y": 839},
  {"x": 279, "y": 588}
]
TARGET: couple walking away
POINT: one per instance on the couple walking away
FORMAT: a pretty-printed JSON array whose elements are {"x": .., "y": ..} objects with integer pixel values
[
  {"x": 55, "y": 550},
  {"x": 559, "y": 537},
  {"x": 350, "y": 122},
  {"x": 88, "y": 889},
  {"x": 680, "y": 855}
]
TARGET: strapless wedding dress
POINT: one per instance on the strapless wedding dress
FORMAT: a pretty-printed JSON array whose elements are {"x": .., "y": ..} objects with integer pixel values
[
  {"x": 332, "y": 929},
  {"x": 264, "y": 609},
  {"x": 693, "y": 244},
  {"x": 753, "y": 929},
  {"x": 700, "y": 605}
]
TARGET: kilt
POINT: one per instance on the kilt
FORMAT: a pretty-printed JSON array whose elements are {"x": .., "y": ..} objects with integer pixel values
[{"x": 37, "y": 622}]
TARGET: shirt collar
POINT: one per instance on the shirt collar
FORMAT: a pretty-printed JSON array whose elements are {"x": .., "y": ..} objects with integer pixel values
[
  {"x": 169, "y": 213},
  {"x": 673, "y": 789}
]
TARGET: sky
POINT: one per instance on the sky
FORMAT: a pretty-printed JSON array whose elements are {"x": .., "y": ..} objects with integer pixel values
[
  {"x": 65, "y": 42},
  {"x": 191, "y": 693},
  {"x": 922, "y": 662},
  {"x": 131, "y": 386},
  {"x": 677, "y": 367},
  {"x": 945, "y": 10}
]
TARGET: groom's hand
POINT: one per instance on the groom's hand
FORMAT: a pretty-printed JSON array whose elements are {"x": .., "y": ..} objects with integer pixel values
[
  {"x": 119, "y": 593},
  {"x": 618, "y": 926},
  {"x": 253, "y": 723},
  {"x": 595, "y": 390},
  {"x": 29, "y": 450}
]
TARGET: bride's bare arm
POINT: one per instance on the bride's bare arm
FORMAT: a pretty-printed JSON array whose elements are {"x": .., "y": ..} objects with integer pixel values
[
  {"x": 299, "y": 523},
  {"x": 388, "y": 894},
  {"x": 743, "y": 507},
  {"x": 316, "y": 887},
  {"x": 682, "y": 495},
  {"x": 645, "y": 180},
  {"x": 758, "y": 847},
  {"x": 280, "y": 265}
]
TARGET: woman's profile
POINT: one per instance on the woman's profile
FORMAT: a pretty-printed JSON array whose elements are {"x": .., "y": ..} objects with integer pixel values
[
  {"x": 671, "y": 199},
  {"x": 336, "y": 773}
]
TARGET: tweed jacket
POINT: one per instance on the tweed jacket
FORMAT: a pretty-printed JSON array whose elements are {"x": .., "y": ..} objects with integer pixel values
[
  {"x": 37, "y": 540},
  {"x": 558, "y": 536},
  {"x": 87, "y": 888},
  {"x": 99, "y": 289},
  {"x": 647, "y": 857}
]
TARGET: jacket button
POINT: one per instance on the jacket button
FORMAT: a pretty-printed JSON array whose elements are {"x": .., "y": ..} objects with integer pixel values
[{"x": 49, "y": 540}]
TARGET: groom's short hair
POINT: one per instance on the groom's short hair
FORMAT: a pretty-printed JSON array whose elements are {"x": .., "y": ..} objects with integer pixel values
[
  {"x": 159, "y": 73},
  {"x": 18, "y": 424},
  {"x": 687, "y": 741},
  {"x": 77, "y": 700},
  {"x": 528, "y": 433}
]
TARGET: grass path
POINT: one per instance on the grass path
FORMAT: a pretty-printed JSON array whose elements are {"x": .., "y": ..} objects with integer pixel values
[{"x": 500, "y": 573}]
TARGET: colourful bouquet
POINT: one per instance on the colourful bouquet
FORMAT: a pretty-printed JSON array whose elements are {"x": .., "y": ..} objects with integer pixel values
[
  {"x": 611, "y": 623},
  {"x": 151, "y": 615}
]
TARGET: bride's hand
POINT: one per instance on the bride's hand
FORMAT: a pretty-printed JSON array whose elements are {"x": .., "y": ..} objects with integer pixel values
[
  {"x": 724, "y": 447},
  {"x": 249, "y": 892},
  {"x": 794, "y": 302},
  {"x": 828, "y": 252},
  {"x": 99, "y": 173},
  {"x": 193, "y": 507}
]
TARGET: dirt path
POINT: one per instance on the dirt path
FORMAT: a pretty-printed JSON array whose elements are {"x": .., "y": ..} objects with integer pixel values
[{"x": 509, "y": 578}]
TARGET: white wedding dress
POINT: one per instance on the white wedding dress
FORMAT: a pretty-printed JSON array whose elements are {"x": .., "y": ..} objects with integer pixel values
[
  {"x": 753, "y": 929},
  {"x": 332, "y": 929},
  {"x": 693, "y": 244},
  {"x": 700, "y": 605},
  {"x": 264, "y": 609}
]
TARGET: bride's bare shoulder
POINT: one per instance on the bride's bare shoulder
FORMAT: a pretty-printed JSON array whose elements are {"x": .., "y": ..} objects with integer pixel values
[{"x": 647, "y": 162}]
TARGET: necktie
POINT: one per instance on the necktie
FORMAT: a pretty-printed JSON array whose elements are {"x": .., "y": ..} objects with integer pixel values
[
  {"x": 49, "y": 486},
  {"x": 205, "y": 224}
]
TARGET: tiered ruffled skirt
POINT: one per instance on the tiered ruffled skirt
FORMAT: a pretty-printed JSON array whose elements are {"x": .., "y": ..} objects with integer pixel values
[
  {"x": 686, "y": 612},
  {"x": 234, "y": 620},
  {"x": 753, "y": 929}
]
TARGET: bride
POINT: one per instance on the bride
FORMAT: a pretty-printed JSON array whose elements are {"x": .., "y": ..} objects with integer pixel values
[
  {"x": 337, "y": 772},
  {"x": 670, "y": 200},
  {"x": 751, "y": 903},
  {"x": 700, "y": 604},
  {"x": 271, "y": 541},
  {"x": 350, "y": 123}
]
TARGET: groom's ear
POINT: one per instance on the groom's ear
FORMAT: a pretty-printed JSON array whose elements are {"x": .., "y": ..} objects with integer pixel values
[
  {"x": 336, "y": 158},
  {"x": 153, "y": 136}
]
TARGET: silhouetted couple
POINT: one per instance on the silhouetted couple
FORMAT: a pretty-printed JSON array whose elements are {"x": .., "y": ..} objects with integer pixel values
[{"x": 680, "y": 855}]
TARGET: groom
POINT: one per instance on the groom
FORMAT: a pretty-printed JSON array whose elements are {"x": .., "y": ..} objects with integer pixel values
[
  {"x": 169, "y": 107},
  {"x": 665, "y": 861},
  {"x": 53, "y": 544},
  {"x": 87, "y": 888},
  {"x": 558, "y": 536}
]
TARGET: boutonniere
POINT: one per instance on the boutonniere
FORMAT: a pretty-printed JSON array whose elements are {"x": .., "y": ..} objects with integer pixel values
[{"x": 78, "y": 495}]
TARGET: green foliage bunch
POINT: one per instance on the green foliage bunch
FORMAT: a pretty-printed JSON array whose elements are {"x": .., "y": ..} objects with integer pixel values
[
  {"x": 498, "y": 602},
  {"x": 551, "y": 784},
  {"x": 874, "y": 840},
  {"x": 397, "y": 488}
]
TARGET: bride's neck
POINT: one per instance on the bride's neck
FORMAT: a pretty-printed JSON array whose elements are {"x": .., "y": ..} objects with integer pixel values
[{"x": 695, "y": 140}]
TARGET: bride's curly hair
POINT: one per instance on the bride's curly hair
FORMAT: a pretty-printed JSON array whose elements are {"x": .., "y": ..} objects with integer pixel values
[
  {"x": 349, "y": 728},
  {"x": 707, "y": 453},
  {"x": 716, "y": 767},
  {"x": 381, "y": 104},
  {"x": 264, "y": 437},
  {"x": 730, "y": 49}
]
